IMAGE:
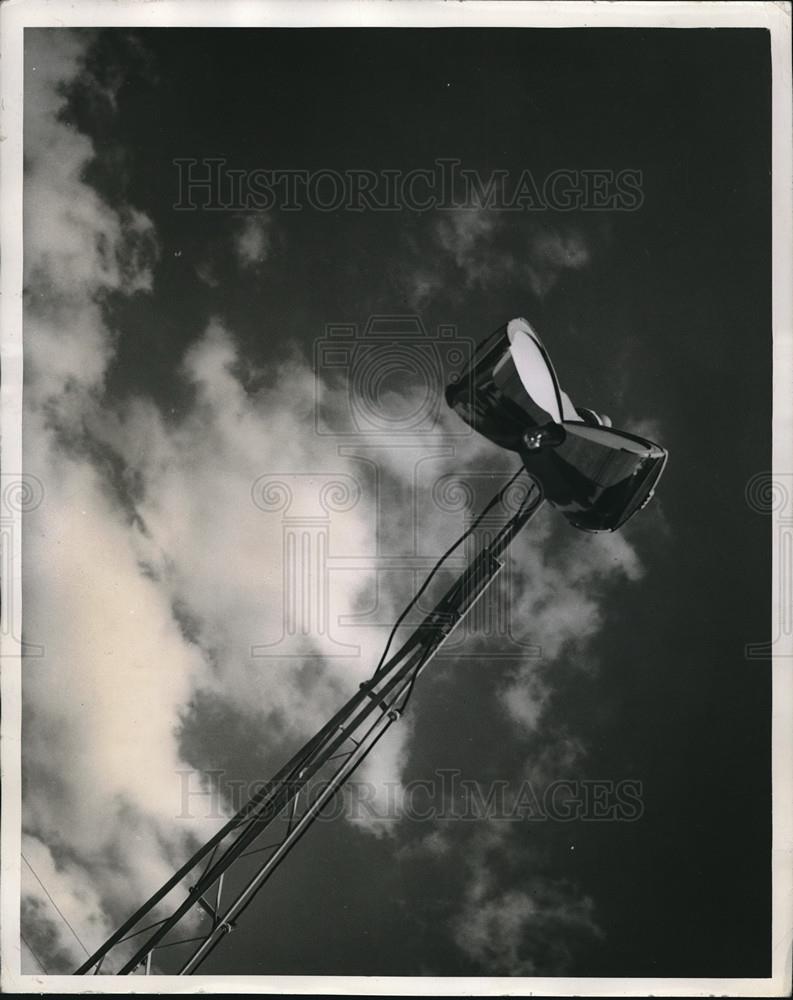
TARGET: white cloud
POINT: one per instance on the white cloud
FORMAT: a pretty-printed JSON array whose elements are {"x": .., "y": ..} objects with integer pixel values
[
  {"x": 101, "y": 706},
  {"x": 549, "y": 255},
  {"x": 76, "y": 246},
  {"x": 82, "y": 926},
  {"x": 558, "y": 594},
  {"x": 116, "y": 669},
  {"x": 647, "y": 427},
  {"x": 108, "y": 595},
  {"x": 469, "y": 237},
  {"x": 515, "y": 928},
  {"x": 253, "y": 240},
  {"x": 206, "y": 272},
  {"x": 478, "y": 247},
  {"x": 522, "y": 932}
]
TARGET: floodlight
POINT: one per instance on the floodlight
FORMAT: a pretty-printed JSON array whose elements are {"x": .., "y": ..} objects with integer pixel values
[{"x": 598, "y": 477}]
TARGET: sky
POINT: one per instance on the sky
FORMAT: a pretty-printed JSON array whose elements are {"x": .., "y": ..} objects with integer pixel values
[{"x": 180, "y": 362}]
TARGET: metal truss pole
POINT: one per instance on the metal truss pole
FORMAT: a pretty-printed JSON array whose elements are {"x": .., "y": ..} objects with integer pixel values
[{"x": 193, "y": 899}]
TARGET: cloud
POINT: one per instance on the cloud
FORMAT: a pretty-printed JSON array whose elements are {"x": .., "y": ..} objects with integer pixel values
[
  {"x": 217, "y": 489},
  {"x": 435, "y": 844},
  {"x": 647, "y": 427},
  {"x": 101, "y": 706},
  {"x": 514, "y": 918},
  {"x": 206, "y": 273},
  {"x": 549, "y": 254},
  {"x": 523, "y": 932},
  {"x": 253, "y": 240},
  {"x": 512, "y": 923},
  {"x": 468, "y": 237},
  {"x": 481, "y": 248},
  {"x": 81, "y": 927},
  {"x": 421, "y": 285},
  {"x": 77, "y": 248},
  {"x": 150, "y": 570}
]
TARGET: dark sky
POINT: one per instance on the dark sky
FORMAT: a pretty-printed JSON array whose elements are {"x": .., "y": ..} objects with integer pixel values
[{"x": 670, "y": 321}]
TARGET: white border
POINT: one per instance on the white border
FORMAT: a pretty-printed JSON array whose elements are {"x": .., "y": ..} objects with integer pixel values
[{"x": 15, "y": 15}]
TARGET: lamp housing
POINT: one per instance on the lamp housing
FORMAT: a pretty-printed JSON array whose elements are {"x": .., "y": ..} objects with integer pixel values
[{"x": 598, "y": 477}]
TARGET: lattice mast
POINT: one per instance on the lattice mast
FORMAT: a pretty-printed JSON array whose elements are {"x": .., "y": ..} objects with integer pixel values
[{"x": 199, "y": 891}]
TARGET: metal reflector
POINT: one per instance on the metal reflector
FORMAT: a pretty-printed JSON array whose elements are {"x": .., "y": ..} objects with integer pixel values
[
  {"x": 503, "y": 392},
  {"x": 598, "y": 477},
  {"x": 528, "y": 361}
]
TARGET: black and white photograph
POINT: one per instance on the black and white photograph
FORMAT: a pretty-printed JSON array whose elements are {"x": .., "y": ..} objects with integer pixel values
[{"x": 397, "y": 498}]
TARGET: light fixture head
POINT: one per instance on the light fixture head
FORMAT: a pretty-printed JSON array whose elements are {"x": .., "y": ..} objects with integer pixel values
[{"x": 598, "y": 477}]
